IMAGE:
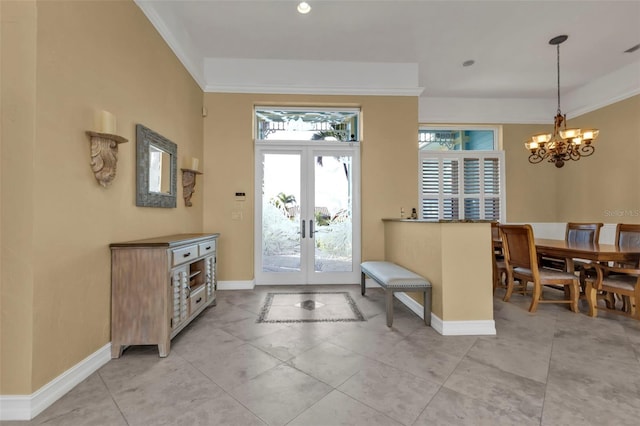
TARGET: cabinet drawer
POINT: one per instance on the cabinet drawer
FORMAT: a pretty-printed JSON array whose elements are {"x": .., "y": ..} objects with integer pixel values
[
  {"x": 197, "y": 299},
  {"x": 184, "y": 254},
  {"x": 207, "y": 247}
]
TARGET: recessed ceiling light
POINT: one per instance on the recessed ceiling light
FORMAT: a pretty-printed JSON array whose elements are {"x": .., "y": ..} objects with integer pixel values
[
  {"x": 304, "y": 8},
  {"x": 468, "y": 63},
  {"x": 632, "y": 49}
]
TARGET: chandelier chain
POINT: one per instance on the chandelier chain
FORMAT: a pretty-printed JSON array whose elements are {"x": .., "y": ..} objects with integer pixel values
[{"x": 558, "y": 57}]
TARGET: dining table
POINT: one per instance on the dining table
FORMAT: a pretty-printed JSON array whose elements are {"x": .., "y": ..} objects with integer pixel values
[{"x": 600, "y": 253}]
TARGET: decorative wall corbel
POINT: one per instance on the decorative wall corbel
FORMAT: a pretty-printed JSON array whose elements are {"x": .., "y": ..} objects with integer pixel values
[
  {"x": 188, "y": 184},
  {"x": 104, "y": 156}
]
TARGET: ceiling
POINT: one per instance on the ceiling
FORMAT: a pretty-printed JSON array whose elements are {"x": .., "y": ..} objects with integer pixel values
[{"x": 508, "y": 40}]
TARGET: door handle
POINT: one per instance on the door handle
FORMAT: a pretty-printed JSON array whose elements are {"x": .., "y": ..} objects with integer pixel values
[
  {"x": 303, "y": 228},
  {"x": 310, "y": 229}
]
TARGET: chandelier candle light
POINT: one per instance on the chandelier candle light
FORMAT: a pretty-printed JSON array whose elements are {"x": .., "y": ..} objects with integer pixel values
[{"x": 563, "y": 144}]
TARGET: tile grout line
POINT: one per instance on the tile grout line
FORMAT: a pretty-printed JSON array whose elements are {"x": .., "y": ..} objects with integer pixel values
[
  {"x": 546, "y": 384},
  {"x": 113, "y": 398},
  {"x": 446, "y": 379}
]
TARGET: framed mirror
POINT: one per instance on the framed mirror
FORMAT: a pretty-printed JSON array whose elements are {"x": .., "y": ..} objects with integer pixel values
[{"x": 157, "y": 169}]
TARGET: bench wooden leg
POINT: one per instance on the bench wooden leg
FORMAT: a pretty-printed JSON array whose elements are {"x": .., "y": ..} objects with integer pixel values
[
  {"x": 389, "y": 303},
  {"x": 362, "y": 287},
  {"x": 427, "y": 306}
]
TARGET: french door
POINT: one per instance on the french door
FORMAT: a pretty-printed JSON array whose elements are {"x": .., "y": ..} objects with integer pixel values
[{"x": 307, "y": 213}]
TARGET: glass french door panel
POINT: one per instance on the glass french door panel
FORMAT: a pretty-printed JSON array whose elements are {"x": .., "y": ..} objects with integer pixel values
[
  {"x": 281, "y": 236},
  {"x": 333, "y": 213}
]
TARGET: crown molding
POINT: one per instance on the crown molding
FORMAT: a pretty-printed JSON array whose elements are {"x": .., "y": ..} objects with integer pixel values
[
  {"x": 302, "y": 90},
  {"x": 311, "y": 77},
  {"x": 485, "y": 110},
  {"x": 606, "y": 90}
]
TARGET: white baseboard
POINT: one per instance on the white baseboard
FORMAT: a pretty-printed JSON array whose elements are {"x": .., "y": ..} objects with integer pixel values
[
  {"x": 450, "y": 328},
  {"x": 463, "y": 328},
  {"x": 236, "y": 285},
  {"x": 26, "y": 407},
  {"x": 410, "y": 303}
]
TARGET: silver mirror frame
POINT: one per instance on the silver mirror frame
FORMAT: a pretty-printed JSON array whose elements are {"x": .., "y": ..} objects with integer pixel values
[{"x": 144, "y": 198}]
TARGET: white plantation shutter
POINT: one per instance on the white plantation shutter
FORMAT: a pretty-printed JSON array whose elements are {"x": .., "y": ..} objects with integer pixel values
[
  {"x": 462, "y": 185},
  {"x": 493, "y": 187},
  {"x": 430, "y": 176},
  {"x": 450, "y": 176},
  {"x": 471, "y": 175}
]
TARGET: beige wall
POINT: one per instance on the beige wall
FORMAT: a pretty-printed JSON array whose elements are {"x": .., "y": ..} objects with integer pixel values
[
  {"x": 18, "y": 95},
  {"x": 388, "y": 162},
  {"x": 84, "y": 57},
  {"x": 531, "y": 188},
  {"x": 599, "y": 188},
  {"x": 605, "y": 187},
  {"x": 435, "y": 251}
]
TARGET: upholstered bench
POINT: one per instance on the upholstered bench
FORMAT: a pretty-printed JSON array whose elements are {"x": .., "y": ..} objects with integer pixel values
[{"x": 392, "y": 278}]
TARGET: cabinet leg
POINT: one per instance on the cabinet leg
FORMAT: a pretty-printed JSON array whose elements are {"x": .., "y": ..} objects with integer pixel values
[
  {"x": 163, "y": 349},
  {"x": 116, "y": 350}
]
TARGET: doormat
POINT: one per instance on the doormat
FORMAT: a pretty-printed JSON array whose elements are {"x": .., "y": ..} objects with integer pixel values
[{"x": 309, "y": 306}]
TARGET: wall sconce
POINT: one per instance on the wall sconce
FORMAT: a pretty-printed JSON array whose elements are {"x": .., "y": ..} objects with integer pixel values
[
  {"x": 189, "y": 181},
  {"x": 104, "y": 149}
]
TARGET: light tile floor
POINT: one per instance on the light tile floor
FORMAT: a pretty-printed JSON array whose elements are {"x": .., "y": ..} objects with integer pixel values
[{"x": 553, "y": 367}]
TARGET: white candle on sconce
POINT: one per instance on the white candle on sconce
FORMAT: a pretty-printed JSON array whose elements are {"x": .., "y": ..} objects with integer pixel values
[
  {"x": 194, "y": 163},
  {"x": 107, "y": 123}
]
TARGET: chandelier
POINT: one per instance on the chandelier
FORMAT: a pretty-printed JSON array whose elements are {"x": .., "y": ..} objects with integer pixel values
[{"x": 563, "y": 144}]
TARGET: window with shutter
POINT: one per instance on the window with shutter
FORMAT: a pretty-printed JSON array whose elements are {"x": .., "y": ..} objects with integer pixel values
[{"x": 462, "y": 182}]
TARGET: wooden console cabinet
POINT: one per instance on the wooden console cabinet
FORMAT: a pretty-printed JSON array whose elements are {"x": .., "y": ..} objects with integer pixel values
[{"x": 158, "y": 286}]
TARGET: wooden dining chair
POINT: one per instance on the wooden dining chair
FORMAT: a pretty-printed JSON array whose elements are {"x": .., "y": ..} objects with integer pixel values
[
  {"x": 499, "y": 265},
  {"x": 578, "y": 233},
  {"x": 605, "y": 282},
  {"x": 587, "y": 233},
  {"x": 628, "y": 235},
  {"x": 522, "y": 264}
]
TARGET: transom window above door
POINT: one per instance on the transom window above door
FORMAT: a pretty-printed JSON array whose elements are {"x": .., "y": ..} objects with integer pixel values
[
  {"x": 307, "y": 124},
  {"x": 452, "y": 139}
]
